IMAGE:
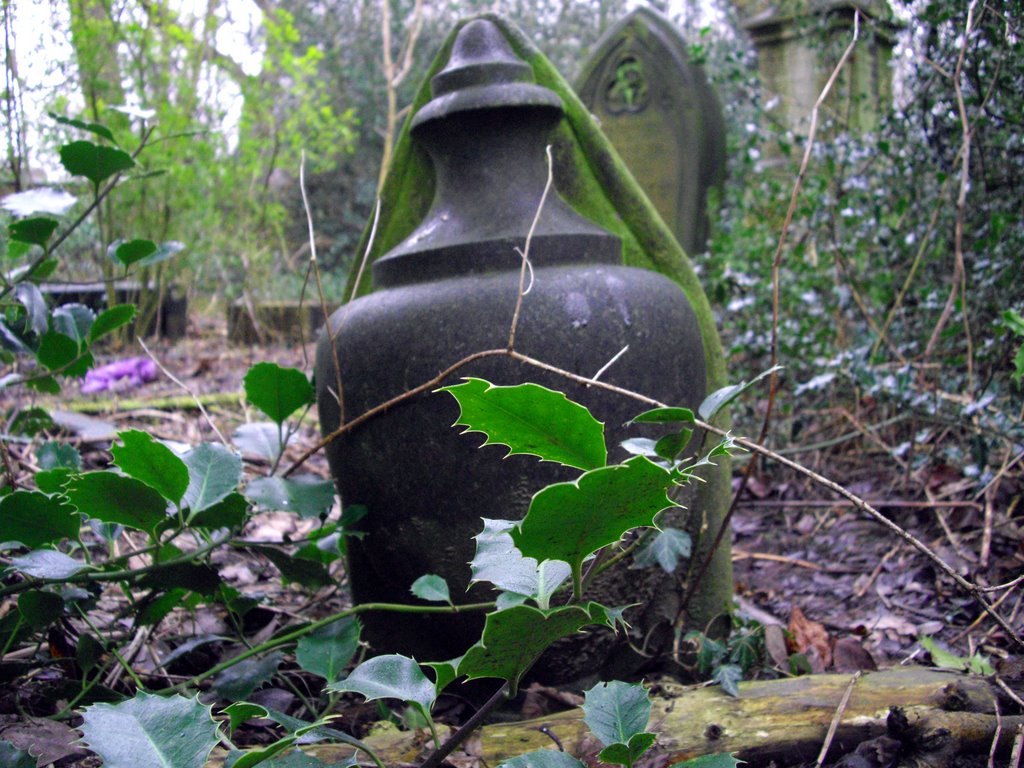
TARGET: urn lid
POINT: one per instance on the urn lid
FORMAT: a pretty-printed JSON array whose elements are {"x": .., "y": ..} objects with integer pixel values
[{"x": 483, "y": 73}]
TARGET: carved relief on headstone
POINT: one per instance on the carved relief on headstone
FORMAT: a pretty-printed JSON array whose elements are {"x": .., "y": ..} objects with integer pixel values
[{"x": 663, "y": 118}]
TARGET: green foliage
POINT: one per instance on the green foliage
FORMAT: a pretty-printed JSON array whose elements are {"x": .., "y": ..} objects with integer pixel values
[
  {"x": 390, "y": 677},
  {"x": 150, "y": 731},
  {"x": 617, "y": 714},
  {"x": 942, "y": 658},
  {"x": 733, "y": 659},
  {"x": 277, "y": 391}
]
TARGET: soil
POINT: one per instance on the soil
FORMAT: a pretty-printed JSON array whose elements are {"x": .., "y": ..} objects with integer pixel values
[{"x": 850, "y": 593}]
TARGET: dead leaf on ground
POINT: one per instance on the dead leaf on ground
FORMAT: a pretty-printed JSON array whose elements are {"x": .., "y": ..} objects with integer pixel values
[
  {"x": 848, "y": 655},
  {"x": 46, "y": 740},
  {"x": 811, "y": 639}
]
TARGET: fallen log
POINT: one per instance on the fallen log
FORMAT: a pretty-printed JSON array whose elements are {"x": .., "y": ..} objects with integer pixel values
[{"x": 781, "y": 721}]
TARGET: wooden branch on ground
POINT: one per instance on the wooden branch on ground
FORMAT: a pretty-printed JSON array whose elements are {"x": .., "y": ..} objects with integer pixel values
[{"x": 784, "y": 721}]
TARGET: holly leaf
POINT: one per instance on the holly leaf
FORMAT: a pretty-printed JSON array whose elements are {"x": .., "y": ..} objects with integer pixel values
[
  {"x": 150, "y": 730},
  {"x": 152, "y": 462},
  {"x": 37, "y": 231},
  {"x": 213, "y": 473},
  {"x": 531, "y": 420},
  {"x": 569, "y": 521},
  {"x": 277, "y": 391},
  {"x": 616, "y": 712},
  {"x": 498, "y": 561},
  {"x": 47, "y": 564},
  {"x": 94, "y": 161},
  {"x": 132, "y": 251},
  {"x": 432, "y": 588},
  {"x": 110, "y": 320},
  {"x": 114, "y": 498},
  {"x": 390, "y": 677},
  {"x": 306, "y": 495},
  {"x": 35, "y": 519},
  {"x": 543, "y": 758},
  {"x": 328, "y": 651}
]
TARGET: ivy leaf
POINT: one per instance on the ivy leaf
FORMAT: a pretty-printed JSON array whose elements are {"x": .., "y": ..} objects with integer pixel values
[
  {"x": 666, "y": 548},
  {"x": 569, "y": 521},
  {"x": 35, "y": 519},
  {"x": 213, "y": 473},
  {"x": 543, "y": 758},
  {"x": 729, "y": 677},
  {"x": 306, "y": 495},
  {"x": 114, "y": 498},
  {"x": 152, "y": 462},
  {"x": 150, "y": 730},
  {"x": 37, "y": 231},
  {"x": 720, "y": 398},
  {"x": 531, "y": 420},
  {"x": 47, "y": 564},
  {"x": 513, "y": 638},
  {"x": 327, "y": 651},
  {"x": 94, "y": 161},
  {"x": 616, "y": 712},
  {"x": 432, "y": 588},
  {"x": 390, "y": 677},
  {"x": 134, "y": 250},
  {"x": 277, "y": 391},
  {"x": 110, "y": 320}
]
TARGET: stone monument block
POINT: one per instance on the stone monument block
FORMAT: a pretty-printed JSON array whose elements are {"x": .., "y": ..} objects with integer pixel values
[{"x": 663, "y": 118}]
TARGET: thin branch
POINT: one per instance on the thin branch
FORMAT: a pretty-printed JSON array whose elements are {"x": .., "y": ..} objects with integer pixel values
[
  {"x": 182, "y": 384},
  {"x": 836, "y": 719}
]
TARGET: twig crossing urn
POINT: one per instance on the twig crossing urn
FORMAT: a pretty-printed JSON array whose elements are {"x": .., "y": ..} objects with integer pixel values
[{"x": 451, "y": 289}]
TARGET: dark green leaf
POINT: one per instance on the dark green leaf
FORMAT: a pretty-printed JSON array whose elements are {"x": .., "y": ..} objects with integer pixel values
[
  {"x": 12, "y": 757},
  {"x": 665, "y": 548},
  {"x": 110, "y": 320},
  {"x": 615, "y": 712},
  {"x": 36, "y": 230},
  {"x": 720, "y": 398},
  {"x": 31, "y": 421},
  {"x": 671, "y": 445},
  {"x": 431, "y": 587},
  {"x": 94, "y": 161},
  {"x": 134, "y": 250},
  {"x": 47, "y": 564},
  {"x": 277, "y": 391},
  {"x": 97, "y": 128},
  {"x": 150, "y": 730},
  {"x": 195, "y": 577},
  {"x": 626, "y": 754},
  {"x": 531, "y": 420},
  {"x": 57, "y": 351},
  {"x": 164, "y": 251},
  {"x": 53, "y": 480},
  {"x": 230, "y": 512},
  {"x": 390, "y": 677},
  {"x": 30, "y": 297},
  {"x": 327, "y": 651},
  {"x": 40, "y": 609},
  {"x": 214, "y": 472},
  {"x": 114, "y": 498},
  {"x": 152, "y": 462},
  {"x": 445, "y": 672},
  {"x": 513, "y": 639},
  {"x": 543, "y": 758},
  {"x": 729, "y": 677},
  {"x": 89, "y": 652},
  {"x": 242, "y": 711},
  {"x": 36, "y": 519},
  {"x": 74, "y": 321},
  {"x": 308, "y": 573},
  {"x": 568, "y": 521},
  {"x": 151, "y": 613},
  {"x": 665, "y": 416},
  {"x": 54, "y": 455},
  {"x": 307, "y": 496},
  {"x": 237, "y": 682}
]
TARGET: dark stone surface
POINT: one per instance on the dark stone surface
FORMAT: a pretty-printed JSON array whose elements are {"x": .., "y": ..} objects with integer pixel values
[
  {"x": 450, "y": 290},
  {"x": 663, "y": 118}
]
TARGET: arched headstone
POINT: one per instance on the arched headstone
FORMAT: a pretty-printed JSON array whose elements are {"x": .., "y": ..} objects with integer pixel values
[{"x": 663, "y": 118}]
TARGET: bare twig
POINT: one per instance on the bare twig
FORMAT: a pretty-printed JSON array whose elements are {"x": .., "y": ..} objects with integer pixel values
[
  {"x": 836, "y": 719},
  {"x": 180, "y": 383},
  {"x": 526, "y": 266}
]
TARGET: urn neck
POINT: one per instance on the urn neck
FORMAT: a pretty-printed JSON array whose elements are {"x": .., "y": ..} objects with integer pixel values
[{"x": 485, "y": 133}]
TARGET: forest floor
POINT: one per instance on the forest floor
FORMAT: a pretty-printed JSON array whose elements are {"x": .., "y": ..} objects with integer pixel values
[{"x": 851, "y": 593}]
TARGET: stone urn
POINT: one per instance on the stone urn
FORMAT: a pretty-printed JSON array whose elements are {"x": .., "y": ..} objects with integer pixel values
[{"x": 450, "y": 289}]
